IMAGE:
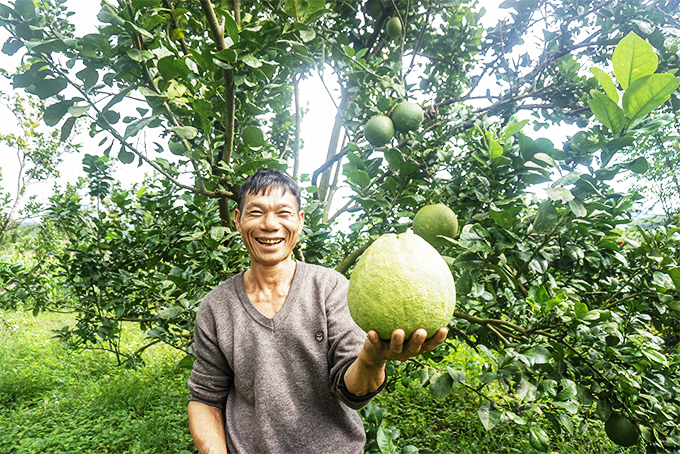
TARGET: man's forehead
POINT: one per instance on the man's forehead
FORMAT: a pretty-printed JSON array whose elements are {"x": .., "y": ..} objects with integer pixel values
[{"x": 278, "y": 193}]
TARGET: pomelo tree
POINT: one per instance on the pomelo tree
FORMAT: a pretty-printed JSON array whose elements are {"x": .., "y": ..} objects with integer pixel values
[{"x": 576, "y": 313}]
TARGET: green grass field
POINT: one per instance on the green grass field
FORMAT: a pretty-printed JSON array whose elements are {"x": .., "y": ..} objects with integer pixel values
[{"x": 56, "y": 400}]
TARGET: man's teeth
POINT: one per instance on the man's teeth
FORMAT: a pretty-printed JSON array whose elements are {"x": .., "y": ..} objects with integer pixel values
[{"x": 264, "y": 241}]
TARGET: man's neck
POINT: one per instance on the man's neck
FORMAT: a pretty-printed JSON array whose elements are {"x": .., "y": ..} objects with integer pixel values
[{"x": 269, "y": 278}]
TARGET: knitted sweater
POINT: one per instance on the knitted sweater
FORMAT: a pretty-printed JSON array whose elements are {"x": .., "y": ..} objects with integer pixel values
[{"x": 282, "y": 378}]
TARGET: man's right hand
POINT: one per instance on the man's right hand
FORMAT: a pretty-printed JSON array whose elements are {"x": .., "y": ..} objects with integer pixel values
[{"x": 206, "y": 425}]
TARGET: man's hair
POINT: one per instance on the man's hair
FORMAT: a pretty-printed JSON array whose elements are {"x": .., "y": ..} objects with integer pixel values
[{"x": 264, "y": 180}]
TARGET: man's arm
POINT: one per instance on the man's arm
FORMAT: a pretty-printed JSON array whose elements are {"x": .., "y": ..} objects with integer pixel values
[
  {"x": 207, "y": 428},
  {"x": 366, "y": 374}
]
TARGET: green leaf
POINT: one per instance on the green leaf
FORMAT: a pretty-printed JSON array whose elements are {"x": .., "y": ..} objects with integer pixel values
[
  {"x": 562, "y": 194},
  {"x": 186, "y": 363},
  {"x": 514, "y": 128},
  {"x": 567, "y": 180},
  {"x": 360, "y": 178},
  {"x": 633, "y": 59},
  {"x": 46, "y": 47},
  {"x": 568, "y": 390},
  {"x": 547, "y": 217},
  {"x": 537, "y": 355},
  {"x": 495, "y": 150},
  {"x": 89, "y": 76},
  {"x": 663, "y": 280},
  {"x": 26, "y": 8},
  {"x": 49, "y": 87},
  {"x": 606, "y": 83},
  {"x": 251, "y": 60},
  {"x": 307, "y": 35},
  {"x": 66, "y": 128},
  {"x": 538, "y": 439},
  {"x": 126, "y": 157},
  {"x": 646, "y": 94},
  {"x": 638, "y": 166},
  {"x": 11, "y": 46},
  {"x": 108, "y": 15},
  {"x": 603, "y": 409},
  {"x": 580, "y": 309},
  {"x": 607, "y": 112},
  {"x": 166, "y": 66},
  {"x": 136, "y": 126},
  {"x": 139, "y": 55},
  {"x": 489, "y": 416},
  {"x": 504, "y": 218},
  {"x": 185, "y": 132},
  {"x": 230, "y": 26},
  {"x": 394, "y": 158},
  {"x": 469, "y": 261},
  {"x": 576, "y": 207},
  {"x": 54, "y": 113},
  {"x": 441, "y": 385}
]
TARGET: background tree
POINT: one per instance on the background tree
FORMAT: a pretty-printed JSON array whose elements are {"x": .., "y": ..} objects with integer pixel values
[
  {"x": 38, "y": 153},
  {"x": 570, "y": 312}
]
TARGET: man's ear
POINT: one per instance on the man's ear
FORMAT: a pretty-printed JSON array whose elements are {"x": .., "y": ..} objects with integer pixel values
[
  {"x": 237, "y": 219},
  {"x": 302, "y": 221}
]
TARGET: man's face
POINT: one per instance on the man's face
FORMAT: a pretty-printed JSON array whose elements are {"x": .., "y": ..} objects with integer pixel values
[{"x": 269, "y": 225}]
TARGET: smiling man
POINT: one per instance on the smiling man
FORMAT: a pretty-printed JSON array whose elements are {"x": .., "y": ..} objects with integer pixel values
[{"x": 280, "y": 366}]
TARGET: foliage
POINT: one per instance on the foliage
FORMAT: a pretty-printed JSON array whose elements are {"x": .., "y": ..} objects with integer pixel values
[
  {"x": 573, "y": 316},
  {"x": 38, "y": 155}
]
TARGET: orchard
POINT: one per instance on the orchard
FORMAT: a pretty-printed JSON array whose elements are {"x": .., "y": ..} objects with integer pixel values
[{"x": 568, "y": 294}]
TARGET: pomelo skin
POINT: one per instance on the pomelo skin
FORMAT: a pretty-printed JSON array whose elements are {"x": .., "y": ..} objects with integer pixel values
[
  {"x": 407, "y": 116},
  {"x": 379, "y": 130},
  {"x": 621, "y": 430},
  {"x": 401, "y": 282},
  {"x": 434, "y": 220}
]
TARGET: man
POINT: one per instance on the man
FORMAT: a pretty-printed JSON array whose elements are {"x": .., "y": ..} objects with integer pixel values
[{"x": 280, "y": 365}]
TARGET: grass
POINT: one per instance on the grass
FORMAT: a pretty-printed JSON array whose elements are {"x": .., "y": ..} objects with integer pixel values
[{"x": 56, "y": 400}]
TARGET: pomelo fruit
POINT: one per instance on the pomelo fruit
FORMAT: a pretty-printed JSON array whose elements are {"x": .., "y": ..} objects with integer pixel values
[
  {"x": 434, "y": 220},
  {"x": 393, "y": 27},
  {"x": 379, "y": 130},
  {"x": 621, "y": 430},
  {"x": 252, "y": 137},
  {"x": 407, "y": 116},
  {"x": 401, "y": 282}
]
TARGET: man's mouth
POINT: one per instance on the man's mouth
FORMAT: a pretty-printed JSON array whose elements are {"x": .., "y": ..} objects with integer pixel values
[{"x": 268, "y": 241}]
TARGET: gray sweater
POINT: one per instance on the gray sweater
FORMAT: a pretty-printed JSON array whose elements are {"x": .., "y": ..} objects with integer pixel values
[{"x": 281, "y": 378}]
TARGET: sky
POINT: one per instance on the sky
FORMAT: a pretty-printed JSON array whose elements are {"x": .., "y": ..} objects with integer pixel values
[{"x": 316, "y": 127}]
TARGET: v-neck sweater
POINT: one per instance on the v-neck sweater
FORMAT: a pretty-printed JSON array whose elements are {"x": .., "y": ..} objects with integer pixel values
[{"x": 281, "y": 377}]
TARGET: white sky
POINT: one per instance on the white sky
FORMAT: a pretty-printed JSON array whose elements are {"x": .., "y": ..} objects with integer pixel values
[{"x": 316, "y": 127}]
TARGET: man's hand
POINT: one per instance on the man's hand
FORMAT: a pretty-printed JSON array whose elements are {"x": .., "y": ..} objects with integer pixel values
[
  {"x": 367, "y": 373},
  {"x": 378, "y": 351}
]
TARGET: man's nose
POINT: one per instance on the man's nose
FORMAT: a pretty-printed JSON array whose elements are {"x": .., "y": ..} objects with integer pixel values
[{"x": 270, "y": 221}]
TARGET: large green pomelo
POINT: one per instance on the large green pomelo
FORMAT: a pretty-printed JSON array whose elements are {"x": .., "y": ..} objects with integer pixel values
[
  {"x": 379, "y": 130},
  {"x": 407, "y": 116},
  {"x": 394, "y": 28},
  {"x": 401, "y": 282},
  {"x": 431, "y": 221},
  {"x": 621, "y": 430}
]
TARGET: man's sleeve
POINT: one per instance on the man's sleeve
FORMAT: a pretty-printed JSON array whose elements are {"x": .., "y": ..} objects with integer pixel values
[
  {"x": 211, "y": 376},
  {"x": 346, "y": 340}
]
